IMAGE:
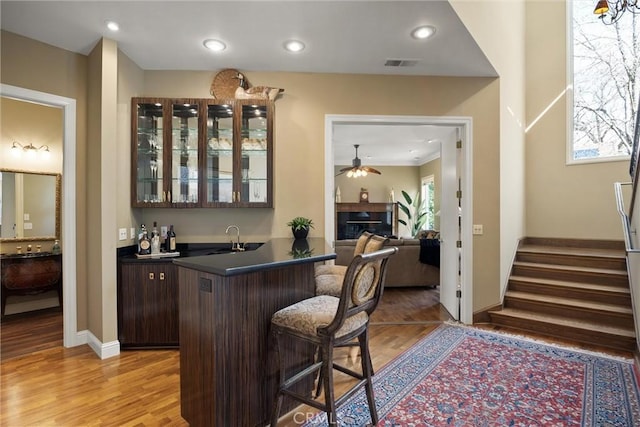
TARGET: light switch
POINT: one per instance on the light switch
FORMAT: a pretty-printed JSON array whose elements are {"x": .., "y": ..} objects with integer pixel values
[
  {"x": 28, "y": 226},
  {"x": 26, "y": 217},
  {"x": 122, "y": 234},
  {"x": 132, "y": 233}
]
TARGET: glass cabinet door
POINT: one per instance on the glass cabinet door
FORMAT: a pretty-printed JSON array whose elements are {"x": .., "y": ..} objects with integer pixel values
[
  {"x": 254, "y": 155},
  {"x": 149, "y": 177},
  {"x": 219, "y": 155},
  {"x": 184, "y": 153}
]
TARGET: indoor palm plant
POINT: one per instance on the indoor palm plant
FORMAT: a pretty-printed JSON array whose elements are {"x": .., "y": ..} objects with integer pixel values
[
  {"x": 300, "y": 226},
  {"x": 415, "y": 211}
]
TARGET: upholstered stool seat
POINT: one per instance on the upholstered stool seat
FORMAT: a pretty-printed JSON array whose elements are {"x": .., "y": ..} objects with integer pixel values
[
  {"x": 327, "y": 322},
  {"x": 305, "y": 317}
]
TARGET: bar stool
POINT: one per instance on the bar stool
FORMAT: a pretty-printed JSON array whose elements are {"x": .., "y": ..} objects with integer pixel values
[{"x": 327, "y": 322}]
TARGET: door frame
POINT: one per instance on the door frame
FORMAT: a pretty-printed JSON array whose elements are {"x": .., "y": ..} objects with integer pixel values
[
  {"x": 465, "y": 124},
  {"x": 68, "y": 105}
]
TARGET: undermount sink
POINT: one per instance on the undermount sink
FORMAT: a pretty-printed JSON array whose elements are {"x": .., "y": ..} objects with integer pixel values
[{"x": 218, "y": 251}]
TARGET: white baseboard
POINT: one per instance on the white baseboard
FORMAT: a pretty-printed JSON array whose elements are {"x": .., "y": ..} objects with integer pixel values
[{"x": 103, "y": 350}]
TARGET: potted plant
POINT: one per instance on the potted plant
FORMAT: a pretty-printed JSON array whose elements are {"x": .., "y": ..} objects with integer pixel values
[
  {"x": 300, "y": 226},
  {"x": 415, "y": 211}
]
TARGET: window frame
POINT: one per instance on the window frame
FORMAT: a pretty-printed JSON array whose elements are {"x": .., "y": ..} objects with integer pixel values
[{"x": 570, "y": 97}]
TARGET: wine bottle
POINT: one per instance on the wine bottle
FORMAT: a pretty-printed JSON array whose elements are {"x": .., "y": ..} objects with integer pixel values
[
  {"x": 171, "y": 239},
  {"x": 145, "y": 244},
  {"x": 155, "y": 239}
]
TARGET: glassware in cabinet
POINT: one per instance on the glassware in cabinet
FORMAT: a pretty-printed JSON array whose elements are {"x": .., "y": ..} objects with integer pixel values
[
  {"x": 148, "y": 153},
  {"x": 184, "y": 189},
  {"x": 255, "y": 154},
  {"x": 219, "y": 155}
]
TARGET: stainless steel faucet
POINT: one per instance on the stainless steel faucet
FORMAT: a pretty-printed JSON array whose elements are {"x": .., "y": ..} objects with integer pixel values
[{"x": 237, "y": 246}]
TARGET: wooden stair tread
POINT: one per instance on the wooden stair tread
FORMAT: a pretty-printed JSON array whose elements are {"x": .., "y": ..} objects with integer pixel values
[
  {"x": 574, "y": 303},
  {"x": 573, "y": 285},
  {"x": 561, "y": 250},
  {"x": 571, "y": 268},
  {"x": 562, "y": 321}
]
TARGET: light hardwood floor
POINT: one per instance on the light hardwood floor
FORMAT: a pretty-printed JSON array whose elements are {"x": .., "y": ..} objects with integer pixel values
[{"x": 72, "y": 387}]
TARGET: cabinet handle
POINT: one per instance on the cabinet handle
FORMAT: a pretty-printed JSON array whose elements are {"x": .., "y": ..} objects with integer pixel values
[
  {"x": 152, "y": 276},
  {"x": 169, "y": 199},
  {"x": 161, "y": 276},
  {"x": 164, "y": 196}
]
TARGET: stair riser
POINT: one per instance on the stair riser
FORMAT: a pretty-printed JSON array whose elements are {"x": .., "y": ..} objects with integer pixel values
[
  {"x": 578, "y": 261},
  {"x": 564, "y": 292},
  {"x": 561, "y": 331},
  {"x": 606, "y": 318},
  {"x": 571, "y": 275}
]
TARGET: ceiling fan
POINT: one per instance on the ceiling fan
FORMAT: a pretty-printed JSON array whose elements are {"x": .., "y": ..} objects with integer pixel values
[{"x": 356, "y": 170}]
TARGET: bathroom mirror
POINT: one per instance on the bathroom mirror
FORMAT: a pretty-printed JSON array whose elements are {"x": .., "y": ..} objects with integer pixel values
[{"x": 29, "y": 205}]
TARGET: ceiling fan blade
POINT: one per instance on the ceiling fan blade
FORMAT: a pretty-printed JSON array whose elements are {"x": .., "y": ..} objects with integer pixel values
[
  {"x": 371, "y": 170},
  {"x": 343, "y": 170}
]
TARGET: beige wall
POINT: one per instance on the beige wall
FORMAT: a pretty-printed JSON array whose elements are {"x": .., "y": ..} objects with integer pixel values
[
  {"x": 26, "y": 123},
  {"x": 299, "y": 148},
  {"x": 574, "y": 201},
  {"x": 498, "y": 27},
  {"x": 33, "y": 65}
]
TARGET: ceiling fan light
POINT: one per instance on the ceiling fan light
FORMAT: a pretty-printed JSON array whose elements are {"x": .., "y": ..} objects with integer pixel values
[
  {"x": 364, "y": 173},
  {"x": 349, "y": 174}
]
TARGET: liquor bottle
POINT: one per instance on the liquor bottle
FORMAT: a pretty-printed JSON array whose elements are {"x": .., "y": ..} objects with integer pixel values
[
  {"x": 145, "y": 243},
  {"x": 171, "y": 240},
  {"x": 143, "y": 229},
  {"x": 56, "y": 247},
  {"x": 155, "y": 239}
]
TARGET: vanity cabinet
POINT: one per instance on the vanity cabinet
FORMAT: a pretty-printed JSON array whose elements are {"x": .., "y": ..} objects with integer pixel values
[
  {"x": 148, "y": 304},
  {"x": 202, "y": 153}
]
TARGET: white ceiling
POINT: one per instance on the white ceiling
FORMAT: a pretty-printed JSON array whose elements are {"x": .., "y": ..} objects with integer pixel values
[{"x": 340, "y": 37}]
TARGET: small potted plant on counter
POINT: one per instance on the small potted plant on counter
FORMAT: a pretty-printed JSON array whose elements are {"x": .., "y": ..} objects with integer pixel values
[{"x": 300, "y": 227}]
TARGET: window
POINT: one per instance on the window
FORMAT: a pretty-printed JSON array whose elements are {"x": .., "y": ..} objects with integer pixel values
[
  {"x": 427, "y": 194},
  {"x": 605, "y": 71}
]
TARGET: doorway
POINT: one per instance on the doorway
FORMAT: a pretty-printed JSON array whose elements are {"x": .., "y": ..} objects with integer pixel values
[
  {"x": 456, "y": 296},
  {"x": 68, "y": 208}
]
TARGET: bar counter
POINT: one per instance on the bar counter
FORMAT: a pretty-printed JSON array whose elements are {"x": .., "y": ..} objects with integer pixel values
[{"x": 228, "y": 369}]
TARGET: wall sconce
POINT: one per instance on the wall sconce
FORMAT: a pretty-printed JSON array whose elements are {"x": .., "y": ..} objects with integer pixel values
[{"x": 31, "y": 150}]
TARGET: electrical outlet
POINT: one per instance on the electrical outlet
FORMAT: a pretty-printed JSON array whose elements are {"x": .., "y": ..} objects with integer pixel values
[
  {"x": 132, "y": 233},
  {"x": 122, "y": 234},
  {"x": 478, "y": 229}
]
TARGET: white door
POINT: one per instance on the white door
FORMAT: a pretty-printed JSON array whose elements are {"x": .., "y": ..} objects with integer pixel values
[{"x": 449, "y": 229}]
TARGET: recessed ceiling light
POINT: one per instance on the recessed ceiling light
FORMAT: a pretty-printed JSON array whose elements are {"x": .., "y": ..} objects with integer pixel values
[
  {"x": 423, "y": 32},
  {"x": 113, "y": 26},
  {"x": 214, "y": 45},
  {"x": 293, "y": 46}
]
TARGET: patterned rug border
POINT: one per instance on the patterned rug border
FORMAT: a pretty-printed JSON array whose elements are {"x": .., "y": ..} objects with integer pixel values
[
  {"x": 447, "y": 337},
  {"x": 541, "y": 341}
]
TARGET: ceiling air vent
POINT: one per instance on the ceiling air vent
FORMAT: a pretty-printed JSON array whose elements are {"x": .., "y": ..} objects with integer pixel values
[{"x": 400, "y": 62}]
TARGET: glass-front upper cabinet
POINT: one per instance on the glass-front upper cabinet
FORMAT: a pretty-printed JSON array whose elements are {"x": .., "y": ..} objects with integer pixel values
[
  {"x": 255, "y": 154},
  {"x": 147, "y": 182},
  {"x": 239, "y": 154},
  {"x": 202, "y": 153},
  {"x": 184, "y": 189},
  {"x": 219, "y": 158}
]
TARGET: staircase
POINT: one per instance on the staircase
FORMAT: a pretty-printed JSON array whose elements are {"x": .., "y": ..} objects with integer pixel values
[{"x": 571, "y": 289}]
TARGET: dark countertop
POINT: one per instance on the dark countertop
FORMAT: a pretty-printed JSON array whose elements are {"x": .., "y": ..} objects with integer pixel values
[{"x": 275, "y": 253}]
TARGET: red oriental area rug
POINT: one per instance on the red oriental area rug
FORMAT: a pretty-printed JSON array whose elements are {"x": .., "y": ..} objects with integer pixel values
[{"x": 462, "y": 376}]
